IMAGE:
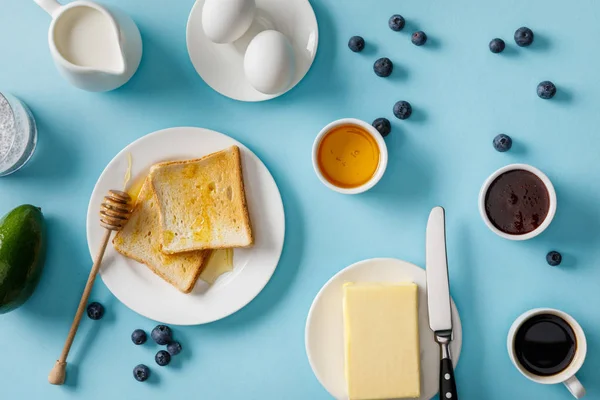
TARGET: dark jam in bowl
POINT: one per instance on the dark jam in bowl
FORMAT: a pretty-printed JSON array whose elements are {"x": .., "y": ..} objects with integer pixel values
[{"x": 517, "y": 202}]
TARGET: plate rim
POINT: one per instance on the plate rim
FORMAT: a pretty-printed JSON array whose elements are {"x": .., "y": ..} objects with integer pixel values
[
  {"x": 264, "y": 96},
  {"x": 163, "y": 131},
  {"x": 455, "y": 357}
]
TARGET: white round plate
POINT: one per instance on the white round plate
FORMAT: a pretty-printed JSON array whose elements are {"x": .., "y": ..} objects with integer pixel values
[
  {"x": 324, "y": 336},
  {"x": 222, "y": 65},
  {"x": 147, "y": 294}
]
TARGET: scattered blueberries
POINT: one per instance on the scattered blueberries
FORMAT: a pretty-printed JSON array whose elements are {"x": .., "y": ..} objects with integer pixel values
[
  {"x": 174, "y": 348},
  {"x": 419, "y": 38},
  {"x": 383, "y": 126},
  {"x": 502, "y": 143},
  {"x": 162, "y": 335},
  {"x": 402, "y": 109},
  {"x": 396, "y": 22},
  {"x": 383, "y": 67},
  {"x": 356, "y": 44},
  {"x": 139, "y": 337},
  {"x": 162, "y": 358},
  {"x": 95, "y": 310},
  {"x": 497, "y": 45},
  {"x": 141, "y": 373},
  {"x": 523, "y": 37},
  {"x": 546, "y": 90},
  {"x": 554, "y": 258}
]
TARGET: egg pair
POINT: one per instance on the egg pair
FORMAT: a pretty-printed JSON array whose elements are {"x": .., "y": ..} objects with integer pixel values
[{"x": 269, "y": 58}]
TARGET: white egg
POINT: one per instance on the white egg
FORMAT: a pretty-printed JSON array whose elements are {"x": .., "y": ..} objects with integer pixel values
[
  {"x": 225, "y": 21},
  {"x": 269, "y": 62}
]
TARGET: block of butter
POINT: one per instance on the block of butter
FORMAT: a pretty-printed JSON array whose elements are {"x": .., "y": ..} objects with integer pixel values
[{"x": 381, "y": 332}]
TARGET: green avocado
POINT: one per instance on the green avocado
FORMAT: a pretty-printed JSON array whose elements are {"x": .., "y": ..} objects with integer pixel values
[{"x": 22, "y": 254}]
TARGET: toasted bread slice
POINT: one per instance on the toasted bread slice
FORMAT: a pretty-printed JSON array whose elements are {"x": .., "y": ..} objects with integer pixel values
[
  {"x": 140, "y": 240},
  {"x": 202, "y": 204}
]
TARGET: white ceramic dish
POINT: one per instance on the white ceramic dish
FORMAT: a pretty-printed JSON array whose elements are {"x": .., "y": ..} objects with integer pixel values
[
  {"x": 383, "y": 155},
  {"x": 222, "y": 65},
  {"x": 551, "y": 195},
  {"x": 324, "y": 335},
  {"x": 147, "y": 294}
]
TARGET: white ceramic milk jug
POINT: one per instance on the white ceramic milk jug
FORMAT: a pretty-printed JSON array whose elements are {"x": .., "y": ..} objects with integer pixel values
[{"x": 94, "y": 47}]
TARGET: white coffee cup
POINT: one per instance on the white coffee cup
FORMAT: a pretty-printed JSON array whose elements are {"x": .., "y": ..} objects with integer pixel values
[{"x": 566, "y": 376}]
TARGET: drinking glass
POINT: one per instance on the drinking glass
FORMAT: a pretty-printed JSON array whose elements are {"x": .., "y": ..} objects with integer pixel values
[{"x": 18, "y": 134}]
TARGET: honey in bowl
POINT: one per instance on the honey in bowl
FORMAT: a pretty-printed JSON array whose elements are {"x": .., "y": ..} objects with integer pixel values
[{"x": 348, "y": 156}]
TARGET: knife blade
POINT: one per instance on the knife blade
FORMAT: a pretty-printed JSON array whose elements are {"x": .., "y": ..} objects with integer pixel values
[{"x": 438, "y": 288}]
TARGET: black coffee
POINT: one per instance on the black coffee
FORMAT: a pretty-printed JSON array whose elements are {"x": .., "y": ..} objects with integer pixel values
[{"x": 545, "y": 344}]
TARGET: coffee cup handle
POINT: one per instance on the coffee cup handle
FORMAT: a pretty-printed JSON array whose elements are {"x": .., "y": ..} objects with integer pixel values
[
  {"x": 50, "y": 6},
  {"x": 575, "y": 387}
]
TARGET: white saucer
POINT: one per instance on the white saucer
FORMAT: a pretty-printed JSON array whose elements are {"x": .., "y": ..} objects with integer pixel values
[
  {"x": 147, "y": 294},
  {"x": 324, "y": 336},
  {"x": 222, "y": 65}
]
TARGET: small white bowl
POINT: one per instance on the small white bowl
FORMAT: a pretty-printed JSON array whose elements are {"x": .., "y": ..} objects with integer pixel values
[
  {"x": 551, "y": 195},
  {"x": 383, "y": 155}
]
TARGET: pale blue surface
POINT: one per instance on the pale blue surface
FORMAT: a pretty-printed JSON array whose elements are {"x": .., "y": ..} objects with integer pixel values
[{"x": 462, "y": 95}]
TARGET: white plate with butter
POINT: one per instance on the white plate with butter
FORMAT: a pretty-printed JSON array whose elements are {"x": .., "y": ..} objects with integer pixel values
[
  {"x": 324, "y": 335},
  {"x": 138, "y": 287}
]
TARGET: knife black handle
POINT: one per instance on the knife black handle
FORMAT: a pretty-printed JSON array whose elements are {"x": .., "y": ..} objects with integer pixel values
[{"x": 447, "y": 383}]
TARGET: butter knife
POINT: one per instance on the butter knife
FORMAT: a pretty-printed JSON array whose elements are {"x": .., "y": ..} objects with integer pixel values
[{"x": 438, "y": 298}]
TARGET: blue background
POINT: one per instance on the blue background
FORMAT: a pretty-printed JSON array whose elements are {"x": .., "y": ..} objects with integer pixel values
[{"x": 462, "y": 96}]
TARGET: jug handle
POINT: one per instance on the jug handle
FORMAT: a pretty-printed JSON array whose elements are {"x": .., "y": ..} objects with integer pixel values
[{"x": 50, "y": 6}]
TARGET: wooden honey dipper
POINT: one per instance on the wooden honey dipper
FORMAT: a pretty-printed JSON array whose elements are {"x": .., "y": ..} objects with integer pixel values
[{"x": 114, "y": 214}]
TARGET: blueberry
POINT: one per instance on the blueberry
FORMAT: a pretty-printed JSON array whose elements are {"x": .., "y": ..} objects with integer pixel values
[
  {"x": 162, "y": 358},
  {"x": 419, "y": 38},
  {"x": 356, "y": 44},
  {"x": 383, "y": 126},
  {"x": 523, "y": 37},
  {"x": 502, "y": 143},
  {"x": 138, "y": 337},
  {"x": 162, "y": 334},
  {"x": 95, "y": 310},
  {"x": 141, "y": 373},
  {"x": 174, "y": 348},
  {"x": 497, "y": 45},
  {"x": 383, "y": 67},
  {"x": 396, "y": 22},
  {"x": 546, "y": 90},
  {"x": 554, "y": 258},
  {"x": 402, "y": 109}
]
